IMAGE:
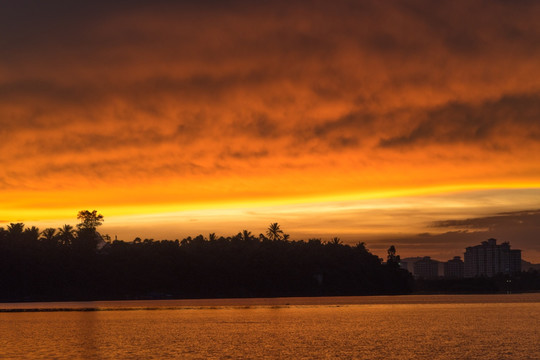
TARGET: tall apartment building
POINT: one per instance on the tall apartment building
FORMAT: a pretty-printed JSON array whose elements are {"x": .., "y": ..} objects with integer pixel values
[
  {"x": 454, "y": 268},
  {"x": 426, "y": 268},
  {"x": 489, "y": 259}
]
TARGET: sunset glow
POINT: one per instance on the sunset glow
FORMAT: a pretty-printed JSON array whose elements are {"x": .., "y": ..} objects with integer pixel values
[{"x": 370, "y": 121}]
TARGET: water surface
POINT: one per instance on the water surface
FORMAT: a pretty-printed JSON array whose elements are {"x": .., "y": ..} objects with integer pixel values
[{"x": 378, "y": 327}]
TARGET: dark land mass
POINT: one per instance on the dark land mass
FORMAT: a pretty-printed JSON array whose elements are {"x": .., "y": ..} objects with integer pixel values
[
  {"x": 525, "y": 281},
  {"x": 77, "y": 265},
  {"x": 526, "y": 265}
]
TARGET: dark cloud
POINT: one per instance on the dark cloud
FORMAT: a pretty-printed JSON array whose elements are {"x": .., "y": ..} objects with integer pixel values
[
  {"x": 488, "y": 124},
  {"x": 450, "y": 239},
  {"x": 518, "y": 219},
  {"x": 245, "y": 155},
  {"x": 350, "y": 123},
  {"x": 258, "y": 125}
]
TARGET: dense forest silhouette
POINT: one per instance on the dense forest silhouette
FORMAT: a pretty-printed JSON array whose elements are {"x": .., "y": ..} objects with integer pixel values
[{"x": 77, "y": 263}]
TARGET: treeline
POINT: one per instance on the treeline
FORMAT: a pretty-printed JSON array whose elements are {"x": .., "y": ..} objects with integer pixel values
[{"x": 76, "y": 264}]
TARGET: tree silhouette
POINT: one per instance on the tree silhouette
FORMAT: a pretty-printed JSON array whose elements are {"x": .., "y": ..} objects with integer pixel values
[
  {"x": 48, "y": 235},
  {"x": 88, "y": 238},
  {"x": 15, "y": 229},
  {"x": 66, "y": 234},
  {"x": 89, "y": 220},
  {"x": 274, "y": 232},
  {"x": 246, "y": 235},
  {"x": 31, "y": 234},
  {"x": 392, "y": 258}
]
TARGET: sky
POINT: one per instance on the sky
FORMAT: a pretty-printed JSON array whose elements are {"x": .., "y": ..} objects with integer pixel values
[{"x": 408, "y": 123}]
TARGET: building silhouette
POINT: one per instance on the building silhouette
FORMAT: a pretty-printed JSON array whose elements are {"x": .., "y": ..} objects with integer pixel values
[
  {"x": 489, "y": 259},
  {"x": 426, "y": 268},
  {"x": 404, "y": 265},
  {"x": 454, "y": 268},
  {"x": 408, "y": 263}
]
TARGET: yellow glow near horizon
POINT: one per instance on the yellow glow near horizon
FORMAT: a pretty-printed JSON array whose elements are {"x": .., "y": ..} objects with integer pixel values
[{"x": 68, "y": 211}]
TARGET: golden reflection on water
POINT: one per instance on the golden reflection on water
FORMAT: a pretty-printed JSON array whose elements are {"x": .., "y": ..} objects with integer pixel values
[{"x": 493, "y": 329}]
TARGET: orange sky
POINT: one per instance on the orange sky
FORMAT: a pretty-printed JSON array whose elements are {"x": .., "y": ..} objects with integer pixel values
[{"x": 155, "y": 112}]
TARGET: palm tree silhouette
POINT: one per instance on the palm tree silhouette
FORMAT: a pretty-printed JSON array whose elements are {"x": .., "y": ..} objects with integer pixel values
[
  {"x": 246, "y": 235},
  {"x": 31, "y": 234},
  {"x": 66, "y": 234},
  {"x": 274, "y": 232},
  {"x": 48, "y": 235},
  {"x": 15, "y": 229}
]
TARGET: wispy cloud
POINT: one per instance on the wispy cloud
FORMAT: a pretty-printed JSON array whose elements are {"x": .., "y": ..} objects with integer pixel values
[{"x": 517, "y": 219}]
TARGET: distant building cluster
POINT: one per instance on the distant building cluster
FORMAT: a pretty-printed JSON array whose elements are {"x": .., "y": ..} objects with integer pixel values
[
  {"x": 426, "y": 268},
  {"x": 489, "y": 259},
  {"x": 486, "y": 259},
  {"x": 454, "y": 268}
]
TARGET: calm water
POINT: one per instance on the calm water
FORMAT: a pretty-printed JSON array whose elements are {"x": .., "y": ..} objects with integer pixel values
[{"x": 379, "y": 327}]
